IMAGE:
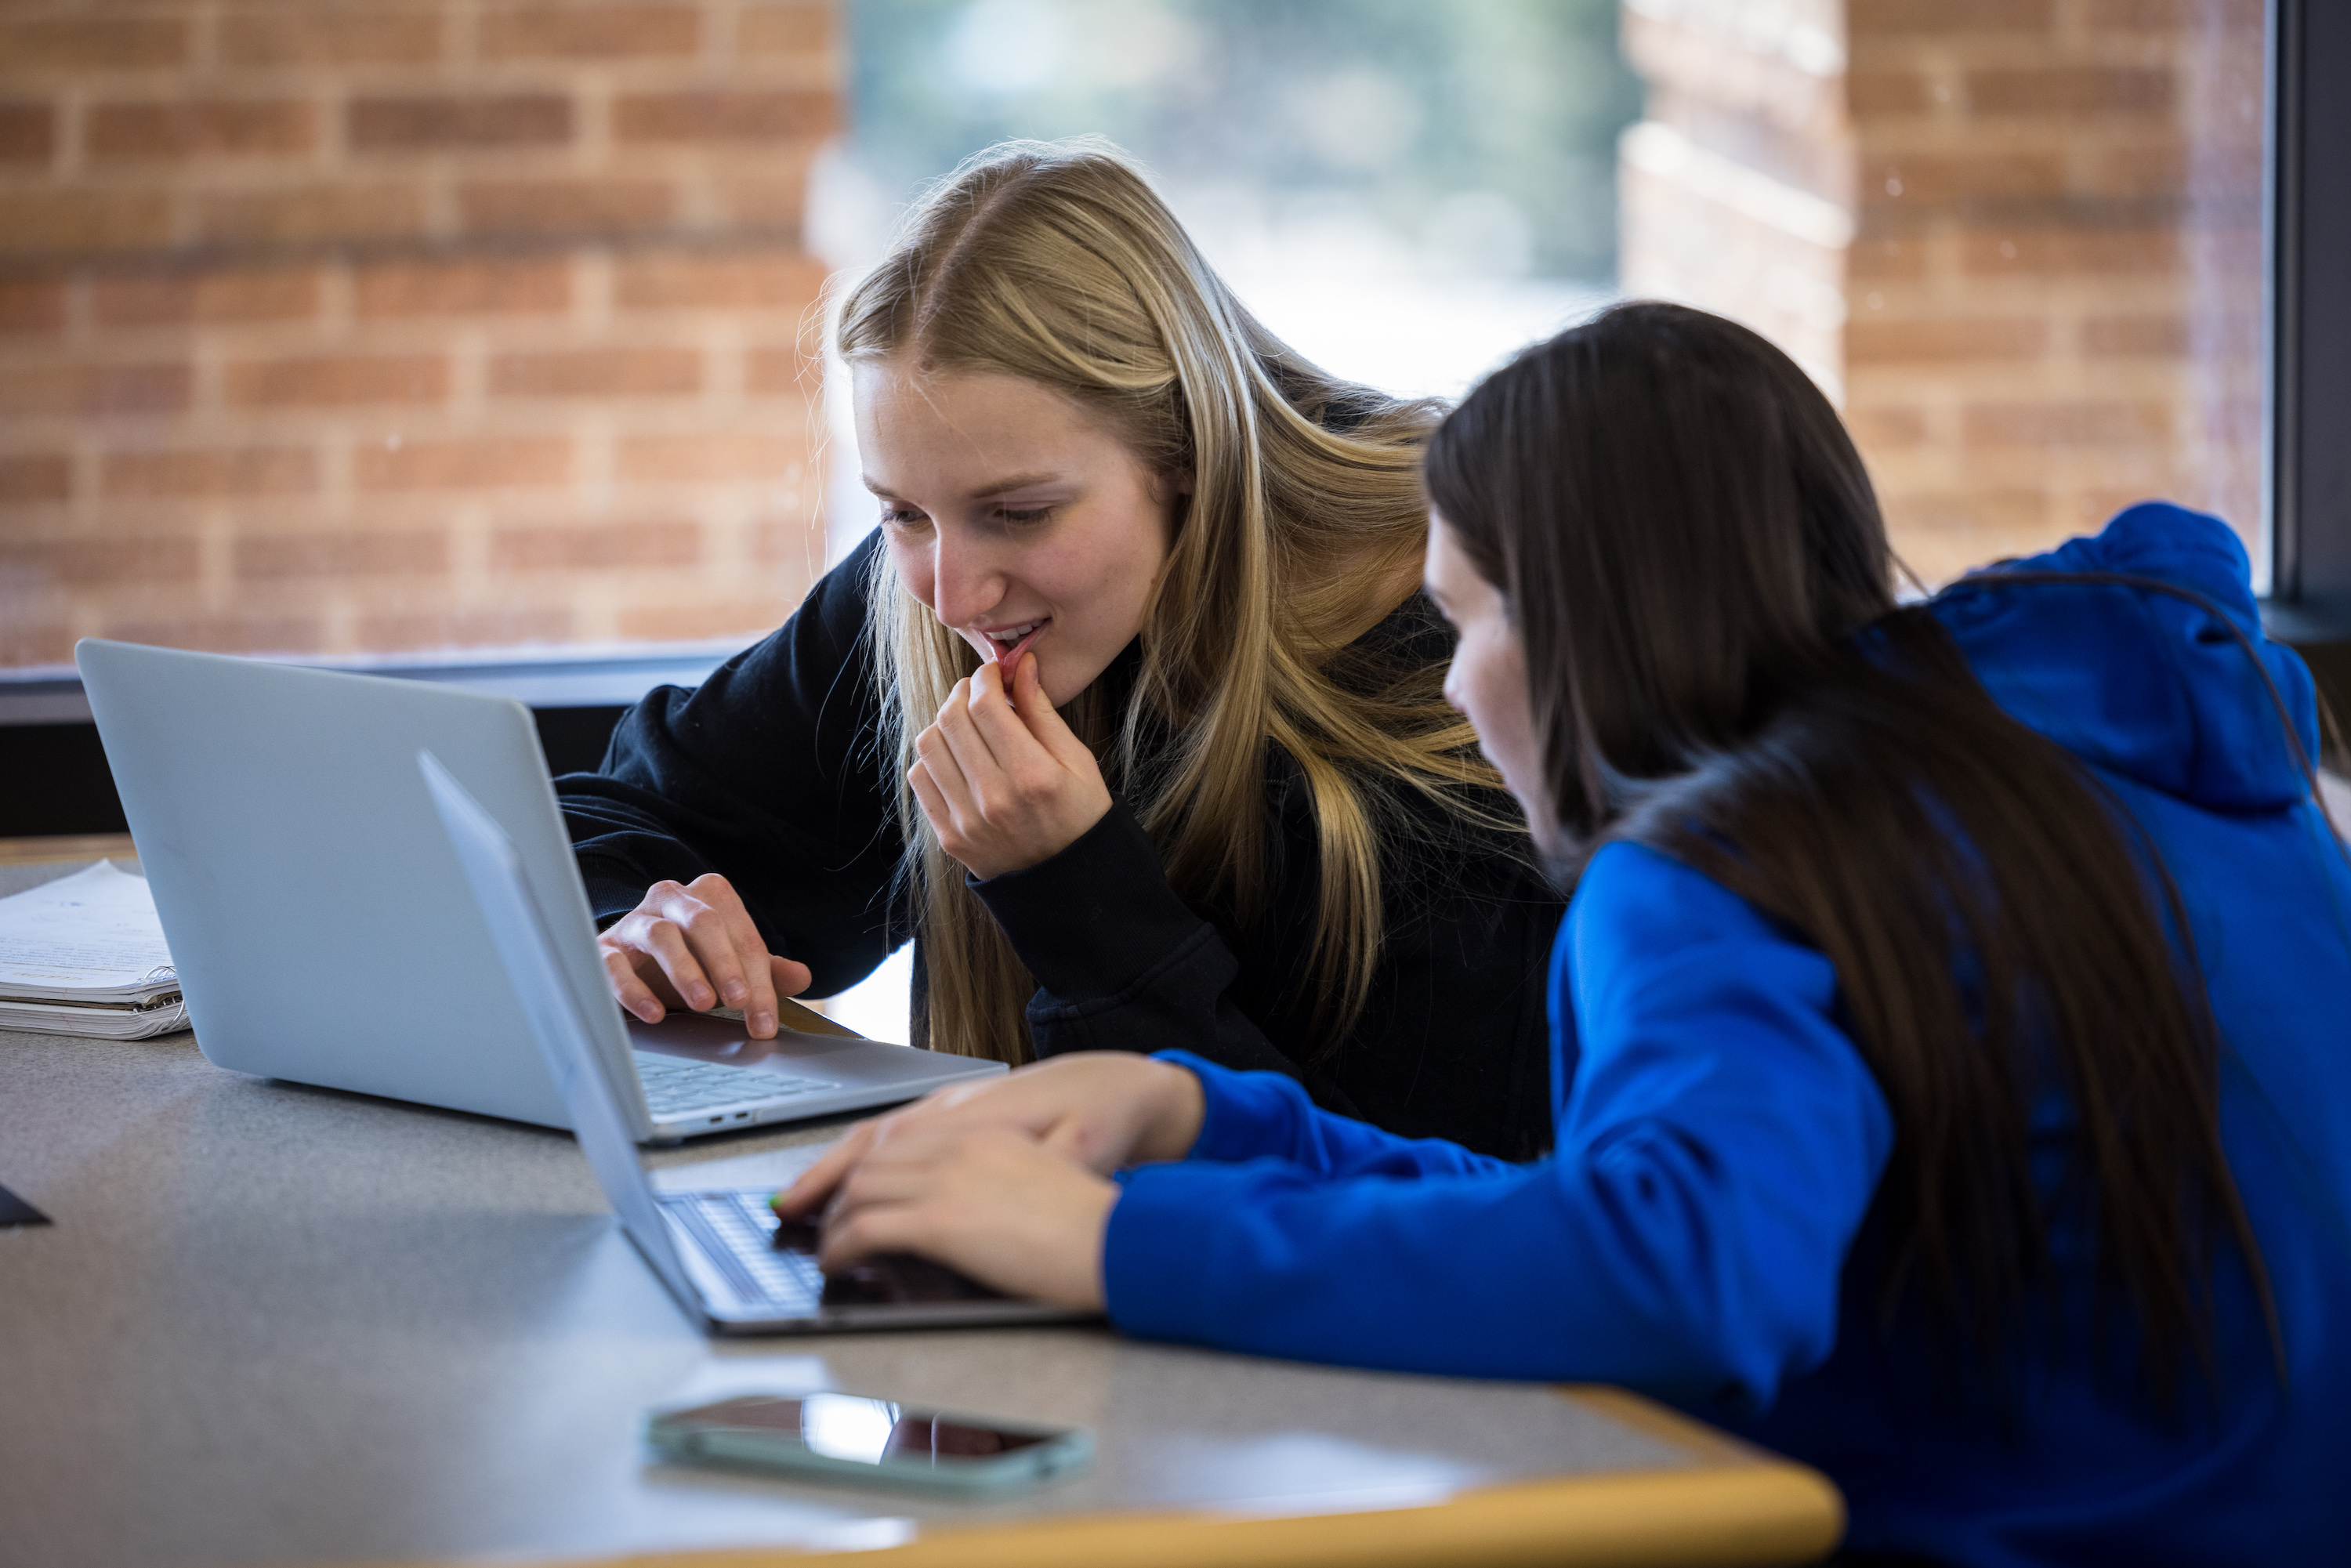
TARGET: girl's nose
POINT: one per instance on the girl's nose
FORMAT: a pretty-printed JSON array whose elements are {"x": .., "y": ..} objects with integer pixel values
[{"x": 967, "y": 581}]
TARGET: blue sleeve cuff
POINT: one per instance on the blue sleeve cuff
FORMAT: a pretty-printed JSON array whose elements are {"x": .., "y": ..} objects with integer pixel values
[{"x": 1247, "y": 1114}]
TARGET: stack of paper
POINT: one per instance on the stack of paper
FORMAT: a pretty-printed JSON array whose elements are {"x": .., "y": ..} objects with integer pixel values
[{"x": 85, "y": 955}]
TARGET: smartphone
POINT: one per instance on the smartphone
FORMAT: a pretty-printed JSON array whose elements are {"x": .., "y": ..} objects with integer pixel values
[{"x": 846, "y": 1437}]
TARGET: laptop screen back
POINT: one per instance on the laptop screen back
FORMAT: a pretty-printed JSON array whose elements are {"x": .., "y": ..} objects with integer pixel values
[{"x": 527, "y": 953}]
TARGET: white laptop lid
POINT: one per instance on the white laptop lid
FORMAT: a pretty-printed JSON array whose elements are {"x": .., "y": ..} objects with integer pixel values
[
  {"x": 530, "y": 958},
  {"x": 291, "y": 844},
  {"x": 882, "y": 1293}
]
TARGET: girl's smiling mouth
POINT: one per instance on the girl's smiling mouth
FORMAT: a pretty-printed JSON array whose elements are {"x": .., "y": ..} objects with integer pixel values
[{"x": 1006, "y": 644}]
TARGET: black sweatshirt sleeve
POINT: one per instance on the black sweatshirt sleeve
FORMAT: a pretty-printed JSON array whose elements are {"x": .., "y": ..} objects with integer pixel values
[
  {"x": 770, "y": 773},
  {"x": 1120, "y": 962}
]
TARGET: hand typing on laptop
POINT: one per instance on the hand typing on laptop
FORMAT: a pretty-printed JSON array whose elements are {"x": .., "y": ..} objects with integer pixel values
[
  {"x": 694, "y": 946},
  {"x": 1007, "y": 1181}
]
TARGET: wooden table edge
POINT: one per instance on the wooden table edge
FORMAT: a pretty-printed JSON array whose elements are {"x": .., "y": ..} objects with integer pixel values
[
  {"x": 59, "y": 849},
  {"x": 1736, "y": 1504}
]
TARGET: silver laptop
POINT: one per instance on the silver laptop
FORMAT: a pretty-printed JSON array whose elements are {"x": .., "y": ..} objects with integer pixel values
[
  {"x": 720, "y": 1251},
  {"x": 324, "y": 933}
]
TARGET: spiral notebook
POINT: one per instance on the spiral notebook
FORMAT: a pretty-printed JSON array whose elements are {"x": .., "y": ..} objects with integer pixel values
[{"x": 85, "y": 955}]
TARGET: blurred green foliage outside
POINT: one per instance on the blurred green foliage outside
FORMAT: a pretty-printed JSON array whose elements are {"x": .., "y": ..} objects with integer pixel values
[{"x": 1478, "y": 135}]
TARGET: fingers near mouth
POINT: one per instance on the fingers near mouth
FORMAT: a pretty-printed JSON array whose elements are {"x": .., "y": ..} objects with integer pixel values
[{"x": 1006, "y": 647}]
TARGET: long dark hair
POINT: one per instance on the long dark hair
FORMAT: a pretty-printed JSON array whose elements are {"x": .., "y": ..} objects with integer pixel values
[{"x": 1700, "y": 574}]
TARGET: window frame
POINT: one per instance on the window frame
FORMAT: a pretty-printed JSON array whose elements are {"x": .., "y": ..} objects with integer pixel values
[{"x": 2306, "y": 471}]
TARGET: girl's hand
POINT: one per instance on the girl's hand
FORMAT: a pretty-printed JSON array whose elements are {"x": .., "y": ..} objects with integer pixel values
[
  {"x": 1101, "y": 1110},
  {"x": 695, "y": 947},
  {"x": 1005, "y": 783},
  {"x": 988, "y": 1202}
]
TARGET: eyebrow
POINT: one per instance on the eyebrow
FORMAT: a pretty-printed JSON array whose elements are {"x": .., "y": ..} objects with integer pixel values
[{"x": 985, "y": 492}]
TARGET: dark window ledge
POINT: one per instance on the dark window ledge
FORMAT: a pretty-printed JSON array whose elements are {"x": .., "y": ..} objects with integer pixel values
[
  {"x": 53, "y": 695},
  {"x": 57, "y": 781}
]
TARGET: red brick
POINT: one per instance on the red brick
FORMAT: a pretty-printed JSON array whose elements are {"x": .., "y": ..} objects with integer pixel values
[
  {"x": 40, "y": 45},
  {"x": 2006, "y": 510},
  {"x": 789, "y": 30},
  {"x": 2070, "y": 252},
  {"x": 35, "y": 477},
  {"x": 99, "y": 389},
  {"x": 33, "y": 305},
  {"x": 2150, "y": 168},
  {"x": 2070, "y": 89},
  {"x": 2132, "y": 336},
  {"x": 28, "y": 132},
  {"x": 1927, "y": 179},
  {"x": 463, "y": 464},
  {"x": 2085, "y": 422},
  {"x": 335, "y": 379},
  {"x": 503, "y": 628},
  {"x": 2143, "y": 16},
  {"x": 170, "y": 557},
  {"x": 703, "y": 619},
  {"x": 279, "y": 295},
  {"x": 2225, "y": 168},
  {"x": 209, "y": 129},
  {"x": 1868, "y": 19},
  {"x": 229, "y": 634},
  {"x": 1875, "y": 338},
  {"x": 2232, "y": 254},
  {"x": 434, "y": 121},
  {"x": 281, "y": 35},
  {"x": 583, "y": 547},
  {"x": 1888, "y": 92},
  {"x": 782, "y": 373},
  {"x": 38, "y": 222},
  {"x": 1885, "y": 259},
  {"x": 701, "y": 458},
  {"x": 566, "y": 208},
  {"x": 2086, "y": 510},
  {"x": 25, "y": 641},
  {"x": 597, "y": 372},
  {"x": 404, "y": 552},
  {"x": 771, "y": 202},
  {"x": 1887, "y": 429},
  {"x": 765, "y": 281},
  {"x": 205, "y": 472},
  {"x": 312, "y": 215},
  {"x": 591, "y": 32},
  {"x": 714, "y": 116},
  {"x": 794, "y": 541},
  {"x": 504, "y": 286}
]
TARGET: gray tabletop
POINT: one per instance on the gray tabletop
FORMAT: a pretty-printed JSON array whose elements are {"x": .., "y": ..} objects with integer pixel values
[{"x": 275, "y": 1325}]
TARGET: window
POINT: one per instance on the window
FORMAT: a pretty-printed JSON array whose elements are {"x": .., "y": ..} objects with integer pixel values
[
  {"x": 2310, "y": 482},
  {"x": 1404, "y": 193}
]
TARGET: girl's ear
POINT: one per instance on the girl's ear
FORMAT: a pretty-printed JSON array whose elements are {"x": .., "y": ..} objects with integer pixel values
[{"x": 1178, "y": 482}]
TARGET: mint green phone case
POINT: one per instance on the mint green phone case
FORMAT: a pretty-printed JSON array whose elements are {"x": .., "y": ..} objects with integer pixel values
[{"x": 1060, "y": 1452}]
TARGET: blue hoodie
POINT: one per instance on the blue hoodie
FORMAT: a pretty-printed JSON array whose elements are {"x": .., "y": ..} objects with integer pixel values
[{"x": 1719, "y": 1141}]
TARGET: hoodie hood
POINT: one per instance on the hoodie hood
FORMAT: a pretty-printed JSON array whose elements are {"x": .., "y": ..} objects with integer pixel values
[{"x": 2135, "y": 680}]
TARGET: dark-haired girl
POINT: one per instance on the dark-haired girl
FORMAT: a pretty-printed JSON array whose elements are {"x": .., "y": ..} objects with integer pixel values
[{"x": 1952, "y": 1021}]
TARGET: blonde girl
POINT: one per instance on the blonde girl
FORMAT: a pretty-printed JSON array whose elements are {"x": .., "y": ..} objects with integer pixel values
[{"x": 1130, "y": 711}]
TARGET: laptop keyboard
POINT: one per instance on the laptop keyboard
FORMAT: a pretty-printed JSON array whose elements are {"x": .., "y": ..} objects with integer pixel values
[
  {"x": 737, "y": 1233},
  {"x": 677, "y": 1087}
]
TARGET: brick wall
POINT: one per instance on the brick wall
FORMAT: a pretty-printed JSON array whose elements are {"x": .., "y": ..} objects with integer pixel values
[
  {"x": 1736, "y": 187},
  {"x": 2051, "y": 288},
  {"x": 365, "y": 327}
]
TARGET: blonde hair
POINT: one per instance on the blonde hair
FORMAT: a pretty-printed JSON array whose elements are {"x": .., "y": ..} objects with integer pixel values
[{"x": 1057, "y": 262}]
